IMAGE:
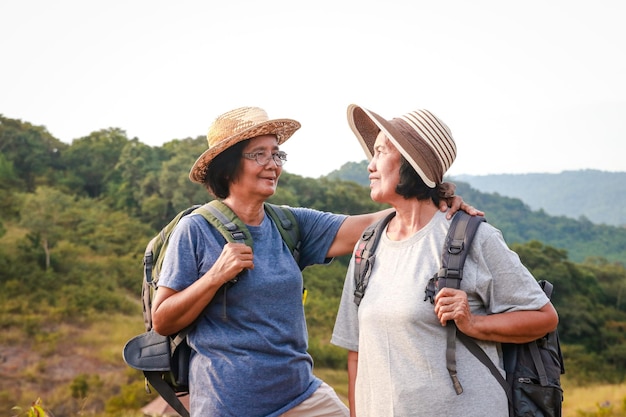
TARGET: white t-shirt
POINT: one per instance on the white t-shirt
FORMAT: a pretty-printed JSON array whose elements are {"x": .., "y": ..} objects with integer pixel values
[{"x": 401, "y": 344}]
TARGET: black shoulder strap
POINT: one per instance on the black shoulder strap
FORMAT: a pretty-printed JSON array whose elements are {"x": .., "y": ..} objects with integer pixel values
[
  {"x": 456, "y": 247},
  {"x": 364, "y": 255},
  {"x": 480, "y": 354},
  {"x": 169, "y": 395}
]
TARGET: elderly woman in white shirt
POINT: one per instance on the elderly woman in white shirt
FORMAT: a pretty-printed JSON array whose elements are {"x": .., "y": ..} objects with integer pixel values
[{"x": 396, "y": 340}]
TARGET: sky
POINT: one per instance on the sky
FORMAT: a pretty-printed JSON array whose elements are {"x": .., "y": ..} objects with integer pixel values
[{"x": 526, "y": 87}]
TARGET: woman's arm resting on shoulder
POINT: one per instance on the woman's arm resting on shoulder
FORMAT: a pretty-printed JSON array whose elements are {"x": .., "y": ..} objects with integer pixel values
[{"x": 350, "y": 231}]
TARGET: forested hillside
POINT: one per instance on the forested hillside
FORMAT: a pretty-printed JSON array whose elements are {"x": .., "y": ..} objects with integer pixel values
[
  {"x": 75, "y": 218},
  {"x": 595, "y": 195}
]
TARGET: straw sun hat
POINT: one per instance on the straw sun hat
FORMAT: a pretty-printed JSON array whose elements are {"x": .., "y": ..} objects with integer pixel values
[
  {"x": 235, "y": 126},
  {"x": 422, "y": 138}
]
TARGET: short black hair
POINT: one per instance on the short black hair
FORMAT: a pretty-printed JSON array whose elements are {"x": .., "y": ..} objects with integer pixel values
[
  {"x": 411, "y": 184},
  {"x": 223, "y": 170}
]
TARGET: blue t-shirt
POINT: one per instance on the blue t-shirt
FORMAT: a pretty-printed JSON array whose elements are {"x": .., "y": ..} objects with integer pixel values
[{"x": 250, "y": 344}]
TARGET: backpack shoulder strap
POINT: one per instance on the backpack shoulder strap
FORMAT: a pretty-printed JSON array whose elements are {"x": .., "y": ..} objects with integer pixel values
[
  {"x": 220, "y": 216},
  {"x": 457, "y": 244},
  {"x": 364, "y": 256},
  {"x": 458, "y": 241},
  {"x": 455, "y": 249},
  {"x": 233, "y": 229},
  {"x": 155, "y": 379},
  {"x": 480, "y": 354},
  {"x": 287, "y": 226}
]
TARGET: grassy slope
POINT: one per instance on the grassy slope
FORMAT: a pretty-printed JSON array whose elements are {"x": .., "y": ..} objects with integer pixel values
[{"x": 589, "y": 399}]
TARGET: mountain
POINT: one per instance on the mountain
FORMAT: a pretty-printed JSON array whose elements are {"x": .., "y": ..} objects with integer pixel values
[{"x": 597, "y": 196}]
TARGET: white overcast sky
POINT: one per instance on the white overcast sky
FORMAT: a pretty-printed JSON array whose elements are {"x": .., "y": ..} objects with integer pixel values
[{"x": 526, "y": 87}]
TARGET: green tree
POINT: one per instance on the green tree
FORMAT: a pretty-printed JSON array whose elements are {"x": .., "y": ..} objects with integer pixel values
[
  {"x": 612, "y": 279},
  {"x": 577, "y": 294},
  {"x": 124, "y": 188},
  {"x": 32, "y": 151},
  {"x": 45, "y": 216},
  {"x": 9, "y": 182},
  {"x": 93, "y": 159},
  {"x": 8, "y": 177},
  {"x": 165, "y": 188},
  {"x": 176, "y": 187}
]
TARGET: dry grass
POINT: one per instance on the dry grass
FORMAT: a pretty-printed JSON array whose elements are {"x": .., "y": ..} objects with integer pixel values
[
  {"x": 588, "y": 398},
  {"x": 108, "y": 336}
]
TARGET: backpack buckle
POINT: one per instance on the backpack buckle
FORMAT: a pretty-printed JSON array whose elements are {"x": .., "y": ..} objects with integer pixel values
[{"x": 238, "y": 235}]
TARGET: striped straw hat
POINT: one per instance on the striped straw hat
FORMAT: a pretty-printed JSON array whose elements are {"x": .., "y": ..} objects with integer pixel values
[
  {"x": 422, "y": 138},
  {"x": 235, "y": 126}
]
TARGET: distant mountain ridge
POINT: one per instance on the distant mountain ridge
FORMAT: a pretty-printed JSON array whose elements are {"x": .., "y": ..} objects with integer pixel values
[{"x": 598, "y": 196}]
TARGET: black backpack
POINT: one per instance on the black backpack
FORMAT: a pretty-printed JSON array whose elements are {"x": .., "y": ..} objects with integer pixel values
[
  {"x": 533, "y": 369},
  {"x": 164, "y": 360}
]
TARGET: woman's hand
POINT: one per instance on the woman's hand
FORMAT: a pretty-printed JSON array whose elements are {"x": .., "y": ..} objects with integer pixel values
[
  {"x": 452, "y": 305},
  {"x": 452, "y": 203},
  {"x": 235, "y": 257},
  {"x": 455, "y": 203}
]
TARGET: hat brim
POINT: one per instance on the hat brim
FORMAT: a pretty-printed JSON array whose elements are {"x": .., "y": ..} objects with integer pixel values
[
  {"x": 366, "y": 125},
  {"x": 282, "y": 128}
]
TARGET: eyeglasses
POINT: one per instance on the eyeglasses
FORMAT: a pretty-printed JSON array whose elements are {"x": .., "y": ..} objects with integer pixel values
[{"x": 262, "y": 158}]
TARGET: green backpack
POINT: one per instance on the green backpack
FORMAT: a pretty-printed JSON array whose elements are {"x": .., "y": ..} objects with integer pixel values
[{"x": 164, "y": 360}]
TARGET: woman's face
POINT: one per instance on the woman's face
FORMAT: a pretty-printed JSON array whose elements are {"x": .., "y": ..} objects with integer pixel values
[
  {"x": 384, "y": 169},
  {"x": 253, "y": 179}
]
